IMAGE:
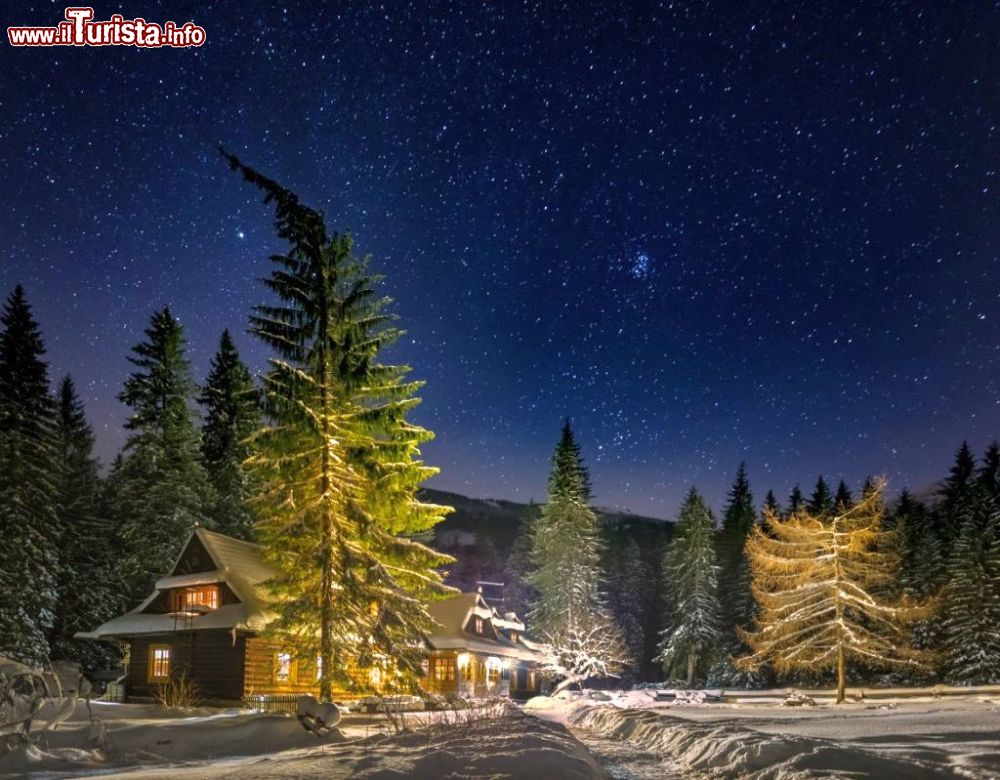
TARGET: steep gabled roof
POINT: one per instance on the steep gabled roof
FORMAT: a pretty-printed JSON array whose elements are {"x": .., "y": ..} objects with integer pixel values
[
  {"x": 452, "y": 616},
  {"x": 237, "y": 563},
  {"x": 241, "y": 564}
]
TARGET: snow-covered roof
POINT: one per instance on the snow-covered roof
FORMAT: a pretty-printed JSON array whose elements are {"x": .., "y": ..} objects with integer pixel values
[
  {"x": 239, "y": 564},
  {"x": 452, "y": 616},
  {"x": 228, "y": 616},
  {"x": 186, "y": 580}
]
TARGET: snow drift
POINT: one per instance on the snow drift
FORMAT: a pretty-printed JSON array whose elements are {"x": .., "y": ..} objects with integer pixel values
[{"x": 728, "y": 751}]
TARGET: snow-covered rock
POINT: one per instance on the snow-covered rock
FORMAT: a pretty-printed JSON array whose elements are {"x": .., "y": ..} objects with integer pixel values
[{"x": 317, "y": 717}]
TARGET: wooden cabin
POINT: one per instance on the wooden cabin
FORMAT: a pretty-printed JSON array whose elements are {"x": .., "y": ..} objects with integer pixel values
[
  {"x": 479, "y": 653},
  {"x": 205, "y": 620}
]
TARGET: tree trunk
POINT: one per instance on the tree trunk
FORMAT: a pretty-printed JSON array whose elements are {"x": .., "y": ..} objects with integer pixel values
[
  {"x": 326, "y": 549},
  {"x": 692, "y": 664},
  {"x": 841, "y": 682}
]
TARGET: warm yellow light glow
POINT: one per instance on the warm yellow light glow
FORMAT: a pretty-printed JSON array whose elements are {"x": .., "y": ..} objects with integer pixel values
[
  {"x": 463, "y": 660},
  {"x": 492, "y": 662},
  {"x": 375, "y": 675}
]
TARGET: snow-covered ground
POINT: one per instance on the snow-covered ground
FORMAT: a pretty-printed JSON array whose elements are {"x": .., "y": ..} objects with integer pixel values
[
  {"x": 145, "y": 741},
  {"x": 630, "y": 736},
  {"x": 908, "y": 738}
]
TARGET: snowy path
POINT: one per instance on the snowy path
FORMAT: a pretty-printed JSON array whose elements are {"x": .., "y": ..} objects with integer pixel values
[{"x": 623, "y": 761}]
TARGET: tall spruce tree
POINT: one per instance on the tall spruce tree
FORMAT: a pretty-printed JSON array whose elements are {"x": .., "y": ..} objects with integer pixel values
[
  {"x": 29, "y": 524},
  {"x": 734, "y": 574},
  {"x": 843, "y": 497},
  {"x": 796, "y": 501},
  {"x": 956, "y": 496},
  {"x": 694, "y": 631},
  {"x": 338, "y": 463},
  {"x": 971, "y": 613},
  {"x": 821, "y": 501},
  {"x": 231, "y": 407},
  {"x": 159, "y": 491},
  {"x": 571, "y": 611},
  {"x": 771, "y": 504},
  {"x": 989, "y": 474},
  {"x": 89, "y": 592},
  {"x": 922, "y": 570}
]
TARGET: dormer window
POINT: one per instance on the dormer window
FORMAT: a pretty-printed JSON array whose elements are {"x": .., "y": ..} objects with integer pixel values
[
  {"x": 480, "y": 626},
  {"x": 513, "y": 637},
  {"x": 186, "y": 599}
]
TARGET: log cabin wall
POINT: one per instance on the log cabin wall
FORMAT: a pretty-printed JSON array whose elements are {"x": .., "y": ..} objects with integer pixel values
[{"x": 210, "y": 659}]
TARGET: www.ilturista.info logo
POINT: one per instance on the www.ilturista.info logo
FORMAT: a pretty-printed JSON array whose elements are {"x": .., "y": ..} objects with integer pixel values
[{"x": 80, "y": 30}]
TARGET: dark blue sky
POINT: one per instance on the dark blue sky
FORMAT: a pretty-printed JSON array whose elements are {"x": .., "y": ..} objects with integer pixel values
[{"x": 705, "y": 231}]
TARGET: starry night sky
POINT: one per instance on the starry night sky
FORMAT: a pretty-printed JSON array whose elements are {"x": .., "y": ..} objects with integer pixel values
[{"x": 707, "y": 232}]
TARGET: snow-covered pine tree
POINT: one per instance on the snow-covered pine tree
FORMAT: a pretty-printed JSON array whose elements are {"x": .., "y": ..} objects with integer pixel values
[
  {"x": 231, "y": 405},
  {"x": 89, "y": 591},
  {"x": 571, "y": 613},
  {"x": 821, "y": 500},
  {"x": 956, "y": 494},
  {"x": 734, "y": 574},
  {"x": 922, "y": 571},
  {"x": 816, "y": 581},
  {"x": 694, "y": 631},
  {"x": 338, "y": 463},
  {"x": 29, "y": 526},
  {"x": 971, "y": 599},
  {"x": 158, "y": 491}
]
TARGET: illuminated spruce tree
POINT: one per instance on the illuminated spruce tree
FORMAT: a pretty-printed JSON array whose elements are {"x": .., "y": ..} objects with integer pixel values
[
  {"x": 337, "y": 461},
  {"x": 816, "y": 580},
  {"x": 582, "y": 638}
]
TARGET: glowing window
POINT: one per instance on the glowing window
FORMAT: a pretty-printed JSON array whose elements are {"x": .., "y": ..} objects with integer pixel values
[
  {"x": 159, "y": 662},
  {"x": 201, "y": 596},
  {"x": 513, "y": 637},
  {"x": 283, "y": 672},
  {"x": 492, "y": 674},
  {"x": 479, "y": 625},
  {"x": 444, "y": 669}
]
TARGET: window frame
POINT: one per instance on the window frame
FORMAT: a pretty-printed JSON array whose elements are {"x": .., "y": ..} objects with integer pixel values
[
  {"x": 163, "y": 664},
  {"x": 443, "y": 669},
  {"x": 292, "y": 677},
  {"x": 181, "y": 598}
]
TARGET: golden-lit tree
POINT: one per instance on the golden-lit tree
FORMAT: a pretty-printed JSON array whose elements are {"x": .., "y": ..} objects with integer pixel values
[
  {"x": 337, "y": 464},
  {"x": 819, "y": 583}
]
